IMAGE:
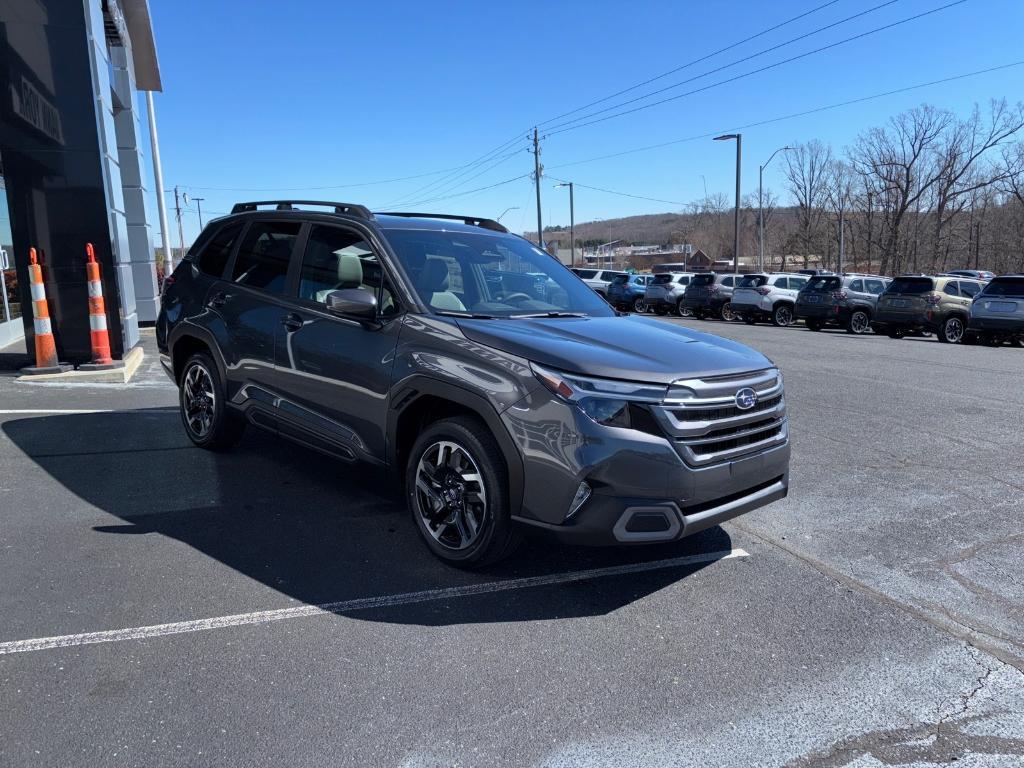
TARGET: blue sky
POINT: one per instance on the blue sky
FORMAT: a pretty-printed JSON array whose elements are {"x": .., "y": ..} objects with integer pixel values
[{"x": 292, "y": 96}]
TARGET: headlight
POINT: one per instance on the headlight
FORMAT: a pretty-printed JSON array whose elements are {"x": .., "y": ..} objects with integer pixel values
[{"x": 607, "y": 401}]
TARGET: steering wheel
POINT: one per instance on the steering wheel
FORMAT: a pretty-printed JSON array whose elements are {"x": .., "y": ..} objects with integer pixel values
[{"x": 519, "y": 296}]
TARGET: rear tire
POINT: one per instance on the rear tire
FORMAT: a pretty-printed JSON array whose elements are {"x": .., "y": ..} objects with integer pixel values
[
  {"x": 896, "y": 333},
  {"x": 782, "y": 316},
  {"x": 660, "y": 310},
  {"x": 639, "y": 305},
  {"x": 726, "y": 312},
  {"x": 813, "y": 324},
  {"x": 202, "y": 402},
  {"x": 859, "y": 322},
  {"x": 456, "y": 485},
  {"x": 682, "y": 310},
  {"x": 952, "y": 331}
]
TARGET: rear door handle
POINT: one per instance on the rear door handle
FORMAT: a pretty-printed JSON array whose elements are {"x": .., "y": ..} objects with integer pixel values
[
  {"x": 218, "y": 299},
  {"x": 291, "y": 321}
]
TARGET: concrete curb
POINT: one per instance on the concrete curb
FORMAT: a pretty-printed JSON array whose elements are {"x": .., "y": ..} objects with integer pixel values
[{"x": 120, "y": 375}]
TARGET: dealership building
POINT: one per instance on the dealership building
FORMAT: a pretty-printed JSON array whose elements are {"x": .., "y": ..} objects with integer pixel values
[{"x": 72, "y": 167}]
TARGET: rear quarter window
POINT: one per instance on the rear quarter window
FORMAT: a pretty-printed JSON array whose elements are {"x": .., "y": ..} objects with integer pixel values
[
  {"x": 753, "y": 281},
  {"x": 214, "y": 257}
]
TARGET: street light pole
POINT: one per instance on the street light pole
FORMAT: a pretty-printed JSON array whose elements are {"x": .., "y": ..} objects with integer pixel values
[
  {"x": 572, "y": 223},
  {"x": 760, "y": 208},
  {"x": 199, "y": 209},
  {"x": 158, "y": 181},
  {"x": 738, "y": 137},
  {"x": 512, "y": 208}
]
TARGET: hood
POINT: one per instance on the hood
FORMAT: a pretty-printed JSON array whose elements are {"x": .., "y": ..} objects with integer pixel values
[{"x": 630, "y": 348}]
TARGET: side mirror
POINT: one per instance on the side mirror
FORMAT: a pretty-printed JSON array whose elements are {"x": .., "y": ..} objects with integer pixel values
[{"x": 352, "y": 302}]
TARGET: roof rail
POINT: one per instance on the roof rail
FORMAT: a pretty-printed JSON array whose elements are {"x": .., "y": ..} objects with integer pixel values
[
  {"x": 352, "y": 209},
  {"x": 473, "y": 221}
]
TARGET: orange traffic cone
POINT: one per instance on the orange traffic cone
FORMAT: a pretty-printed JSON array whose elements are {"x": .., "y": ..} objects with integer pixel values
[
  {"x": 46, "y": 348},
  {"x": 100, "y": 338}
]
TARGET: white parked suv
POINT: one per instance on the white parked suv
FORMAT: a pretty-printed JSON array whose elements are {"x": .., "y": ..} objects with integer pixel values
[
  {"x": 598, "y": 279},
  {"x": 764, "y": 296}
]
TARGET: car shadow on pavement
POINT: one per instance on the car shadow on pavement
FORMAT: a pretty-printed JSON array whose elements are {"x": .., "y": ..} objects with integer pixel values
[{"x": 309, "y": 526}]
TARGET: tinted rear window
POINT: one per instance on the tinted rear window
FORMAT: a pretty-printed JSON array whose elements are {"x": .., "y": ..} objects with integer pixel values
[
  {"x": 911, "y": 285},
  {"x": 620, "y": 279},
  {"x": 1006, "y": 286},
  {"x": 662, "y": 279},
  {"x": 753, "y": 281},
  {"x": 702, "y": 280},
  {"x": 586, "y": 274},
  {"x": 825, "y": 284}
]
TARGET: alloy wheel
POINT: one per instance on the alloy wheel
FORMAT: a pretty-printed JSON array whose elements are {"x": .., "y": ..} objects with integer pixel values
[
  {"x": 859, "y": 323},
  {"x": 783, "y": 316},
  {"x": 639, "y": 305},
  {"x": 450, "y": 496},
  {"x": 199, "y": 400},
  {"x": 727, "y": 314},
  {"x": 953, "y": 330}
]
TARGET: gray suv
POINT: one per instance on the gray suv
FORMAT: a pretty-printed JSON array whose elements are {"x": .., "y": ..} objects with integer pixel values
[
  {"x": 848, "y": 301},
  {"x": 997, "y": 313},
  {"x": 710, "y": 294},
  {"x": 415, "y": 342}
]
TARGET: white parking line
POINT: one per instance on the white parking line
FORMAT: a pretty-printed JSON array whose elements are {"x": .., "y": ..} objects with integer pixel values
[
  {"x": 360, "y": 604},
  {"x": 16, "y": 411}
]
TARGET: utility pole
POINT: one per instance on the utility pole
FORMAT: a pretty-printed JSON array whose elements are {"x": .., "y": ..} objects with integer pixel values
[
  {"x": 536, "y": 178},
  {"x": 181, "y": 235},
  {"x": 738, "y": 137},
  {"x": 199, "y": 208},
  {"x": 842, "y": 236},
  {"x": 572, "y": 223},
  {"x": 158, "y": 179}
]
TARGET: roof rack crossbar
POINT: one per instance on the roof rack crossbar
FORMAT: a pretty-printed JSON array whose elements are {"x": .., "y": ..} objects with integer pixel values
[
  {"x": 352, "y": 209},
  {"x": 473, "y": 221}
]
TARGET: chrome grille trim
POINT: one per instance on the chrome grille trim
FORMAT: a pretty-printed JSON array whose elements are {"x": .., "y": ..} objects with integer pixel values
[{"x": 702, "y": 420}]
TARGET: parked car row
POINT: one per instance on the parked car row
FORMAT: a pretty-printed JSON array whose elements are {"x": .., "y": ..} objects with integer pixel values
[{"x": 957, "y": 306}]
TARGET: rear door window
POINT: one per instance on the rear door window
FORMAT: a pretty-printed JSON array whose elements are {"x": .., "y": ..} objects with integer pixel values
[
  {"x": 729, "y": 281},
  {"x": 264, "y": 254},
  {"x": 214, "y": 257},
  {"x": 586, "y": 274}
]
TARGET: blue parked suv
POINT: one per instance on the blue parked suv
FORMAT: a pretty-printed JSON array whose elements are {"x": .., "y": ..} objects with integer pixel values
[{"x": 627, "y": 292}]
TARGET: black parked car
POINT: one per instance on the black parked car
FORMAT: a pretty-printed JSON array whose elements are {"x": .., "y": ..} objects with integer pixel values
[{"x": 500, "y": 389}]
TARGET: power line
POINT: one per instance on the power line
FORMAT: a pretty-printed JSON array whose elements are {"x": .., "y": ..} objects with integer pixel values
[
  {"x": 621, "y": 194},
  {"x": 450, "y": 186},
  {"x": 473, "y": 191},
  {"x": 691, "y": 63},
  {"x": 312, "y": 189},
  {"x": 791, "y": 116},
  {"x": 760, "y": 69}
]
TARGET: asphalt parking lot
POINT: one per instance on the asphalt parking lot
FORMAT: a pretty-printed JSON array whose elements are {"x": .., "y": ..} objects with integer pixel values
[{"x": 166, "y": 606}]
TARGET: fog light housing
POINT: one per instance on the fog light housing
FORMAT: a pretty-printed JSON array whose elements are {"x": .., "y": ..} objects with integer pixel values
[{"x": 582, "y": 494}]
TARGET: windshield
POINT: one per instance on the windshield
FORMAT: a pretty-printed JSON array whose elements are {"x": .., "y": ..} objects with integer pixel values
[
  {"x": 753, "y": 281},
  {"x": 1005, "y": 286},
  {"x": 490, "y": 274},
  {"x": 910, "y": 285},
  {"x": 824, "y": 284}
]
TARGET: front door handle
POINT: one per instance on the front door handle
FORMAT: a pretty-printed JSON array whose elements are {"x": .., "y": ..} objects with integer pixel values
[
  {"x": 291, "y": 321},
  {"x": 219, "y": 299}
]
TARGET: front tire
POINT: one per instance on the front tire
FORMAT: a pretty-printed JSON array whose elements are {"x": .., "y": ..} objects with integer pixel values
[
  {"x": 457, "y": 491},
  {"x": 660, "y": 310},
  {"x": 952, "y": 331},
  {"x": 202, "y": 403},
  {"x": 896, "y": 333}
]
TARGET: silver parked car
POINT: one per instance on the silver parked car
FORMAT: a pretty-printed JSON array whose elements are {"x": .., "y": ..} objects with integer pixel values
[
  {"x": 764, "y": 296},
  {"x": 598, "y": 279},
  {"x": 997, "y": 313},
  {"x": 665, "y": 292}
]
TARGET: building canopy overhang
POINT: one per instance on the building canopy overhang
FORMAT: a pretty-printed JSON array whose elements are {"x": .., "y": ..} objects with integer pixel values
[{"x": 140, "y": 30}]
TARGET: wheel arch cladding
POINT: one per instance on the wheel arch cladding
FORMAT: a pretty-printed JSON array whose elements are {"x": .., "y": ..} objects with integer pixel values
[{"x": 423, "y": 400}]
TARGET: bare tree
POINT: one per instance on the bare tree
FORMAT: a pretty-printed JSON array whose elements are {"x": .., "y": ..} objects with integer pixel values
[
  {"x": 806, "y": 171},
  {"x": 839, "y": 194}
]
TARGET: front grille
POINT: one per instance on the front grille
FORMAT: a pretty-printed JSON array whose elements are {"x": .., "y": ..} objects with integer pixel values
[
  {"x": 707, "y": 427},
  {"x": 714, "y": 414}
]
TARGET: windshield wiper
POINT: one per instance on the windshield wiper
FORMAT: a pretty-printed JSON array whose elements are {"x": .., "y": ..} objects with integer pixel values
[
  {"x": 456, "y": 313},
  {"x": 549, "y": 314}
]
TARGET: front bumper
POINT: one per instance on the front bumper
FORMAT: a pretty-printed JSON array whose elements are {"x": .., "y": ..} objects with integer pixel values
[{"x": 633, "y": 474}]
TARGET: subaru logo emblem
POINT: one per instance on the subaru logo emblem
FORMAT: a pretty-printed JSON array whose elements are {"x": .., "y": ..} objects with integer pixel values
[{"x": 746, "y": 399}]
